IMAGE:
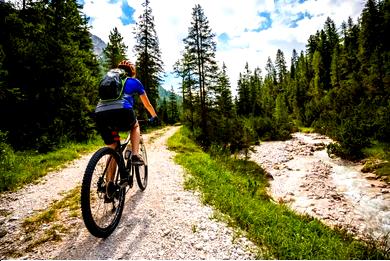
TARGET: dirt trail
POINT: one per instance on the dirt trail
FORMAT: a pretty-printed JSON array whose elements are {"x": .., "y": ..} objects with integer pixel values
[{"x": 163, "y": 222}]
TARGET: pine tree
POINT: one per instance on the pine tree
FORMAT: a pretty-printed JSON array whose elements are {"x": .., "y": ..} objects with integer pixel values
[
  {"x": 200, "y": 46},
  {"x": 149, "y": 63},
  {"x": 269, "y": 89},
  {"x": 173, "y": 112},
  {"x": 244, "y": 105},
  {"x": 183, "y": 69},
  {"x": 256, "y": 82},
  {"x": 49, "y": 44},
  {"x": 3, "y": 74},
  {"x": 331, "y": 50},
  {"x": 302, "y": 86},
  {"x": 292, "y": 88},
  {"x": 163, "y": 110},
  {"x": 224, "y": 100},
  {"x": 281, "y": 67},
  {"x": 115, "y": 50},
  {"x": 293, "y": 66},
  {"x": 281, "y": 118}
]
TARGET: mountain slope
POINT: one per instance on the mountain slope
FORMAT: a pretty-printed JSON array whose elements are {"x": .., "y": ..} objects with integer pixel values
[
  {"x": 98, "y": 45},
  {"x": 163, "y": 93}
]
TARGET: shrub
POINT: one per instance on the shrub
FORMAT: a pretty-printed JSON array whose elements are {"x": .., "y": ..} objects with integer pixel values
[
  {"x": 7, "y": 161},
  {"x": 352, "y": 137}
]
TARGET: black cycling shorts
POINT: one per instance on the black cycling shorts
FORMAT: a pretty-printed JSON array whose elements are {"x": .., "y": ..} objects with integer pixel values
[{"x": 110, "y": 122}]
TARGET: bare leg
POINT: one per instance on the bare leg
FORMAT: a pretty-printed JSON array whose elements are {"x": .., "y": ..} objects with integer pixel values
[
  {"x": 112, "y": 167},
  {"x": 135, "y": 139}
]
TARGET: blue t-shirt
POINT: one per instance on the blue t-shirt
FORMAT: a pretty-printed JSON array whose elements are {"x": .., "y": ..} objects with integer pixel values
[{"x": 132, "y": 86}]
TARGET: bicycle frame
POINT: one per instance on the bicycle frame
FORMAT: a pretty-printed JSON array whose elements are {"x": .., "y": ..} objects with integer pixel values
[{"x": 123, "y": 170}]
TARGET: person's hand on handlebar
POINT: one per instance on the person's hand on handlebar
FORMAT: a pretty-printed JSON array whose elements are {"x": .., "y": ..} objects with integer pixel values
[{"x": 154, "y": 121}]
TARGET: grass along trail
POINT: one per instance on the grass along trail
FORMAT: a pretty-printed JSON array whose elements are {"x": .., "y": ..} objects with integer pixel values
[{"x": 239, "y": 188}]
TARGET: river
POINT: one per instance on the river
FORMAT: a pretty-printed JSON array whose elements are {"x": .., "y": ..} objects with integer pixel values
[{"x": 333, "y": 190}]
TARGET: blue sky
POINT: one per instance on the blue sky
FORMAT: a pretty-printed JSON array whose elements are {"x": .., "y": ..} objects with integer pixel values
[{"x": 246, "y": 31}]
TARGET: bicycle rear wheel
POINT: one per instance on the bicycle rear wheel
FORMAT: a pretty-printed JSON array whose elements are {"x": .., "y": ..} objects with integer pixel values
[
  {"x": 141, "y": 172},
  {"x": 102, "y": 205}
]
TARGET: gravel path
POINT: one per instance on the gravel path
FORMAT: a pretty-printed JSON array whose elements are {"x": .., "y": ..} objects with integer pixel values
[{"x": 163, "y": 222}]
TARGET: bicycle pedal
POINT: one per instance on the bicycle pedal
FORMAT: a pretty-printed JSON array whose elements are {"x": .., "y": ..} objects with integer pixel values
[{"x": 108, "y": 200}]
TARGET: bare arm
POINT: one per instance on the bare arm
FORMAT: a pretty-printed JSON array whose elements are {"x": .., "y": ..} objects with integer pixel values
[{"x": 148, "y": 106}]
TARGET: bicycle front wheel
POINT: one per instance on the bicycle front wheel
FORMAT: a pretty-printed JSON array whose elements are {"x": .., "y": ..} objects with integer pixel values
[
  {"x": 102, "y": 199},
  {"x": 141, "y": 172}
]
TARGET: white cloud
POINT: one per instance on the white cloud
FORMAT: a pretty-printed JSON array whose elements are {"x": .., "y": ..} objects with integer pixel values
[
  {"x": 104, "y": 17},
  {"x": 235, "y": 18}
]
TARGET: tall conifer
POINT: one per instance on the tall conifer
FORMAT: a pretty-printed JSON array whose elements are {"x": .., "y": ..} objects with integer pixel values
[
  {"x": 201, "y": 47},
  {"x": 147, "y": 49},
  {"x": 115, "y": 50}
]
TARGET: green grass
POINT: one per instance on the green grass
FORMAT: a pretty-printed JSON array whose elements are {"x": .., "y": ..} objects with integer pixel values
[
  {"x": 70, "y": 201},
  {"x": 20, "y": 168},
  {"x": 378, "y": 160},
  {"x": 51, "y": 218},
  {"x": 28, "y": 166},
  {"x": 237, "y": 188},
  {"x": 306, "y": 129}
]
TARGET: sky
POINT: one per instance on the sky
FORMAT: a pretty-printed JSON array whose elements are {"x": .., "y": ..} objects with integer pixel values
[{"x": 246, "y": 30}]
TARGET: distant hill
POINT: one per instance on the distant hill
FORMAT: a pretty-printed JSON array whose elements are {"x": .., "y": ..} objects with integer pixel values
[
  {"x": 165, "y": 94},
  {"x": 98, "y": 45}
]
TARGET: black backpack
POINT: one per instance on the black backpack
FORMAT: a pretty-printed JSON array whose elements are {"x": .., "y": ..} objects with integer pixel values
[{"x": 111, "y": 86}]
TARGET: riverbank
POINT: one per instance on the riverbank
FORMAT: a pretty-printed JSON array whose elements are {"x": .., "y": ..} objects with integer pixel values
[
  {"x": 335, "y": 191},
  {"x": 237, "y": 188}
]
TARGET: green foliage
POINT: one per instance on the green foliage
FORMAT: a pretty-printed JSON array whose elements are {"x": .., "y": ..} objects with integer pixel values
[
  {"x": 169, "y": 106},
  {"x": 20, "y": 168},
  {"x": 238, "y": 188},
  {"x": 149, "y": 64},
  {"x": 340, "y": 76},
  {"x": 243, "y": 136},
  {"x": 7, "y": 160},
  {"x": 198, "y": 69},
  {"x": 115, "y": 50},
  {"x": 281, "y": 119},
  {"x": 51, "y": 73},
  {"x": 378, "y": 159},
  {"x": 223, "y": 99},
  {"x": 352, "y": 135},
  {"x": 173, "y": 112}
]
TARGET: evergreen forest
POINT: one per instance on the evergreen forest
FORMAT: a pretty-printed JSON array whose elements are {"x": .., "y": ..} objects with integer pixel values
[{"x": 339, "y": 85}]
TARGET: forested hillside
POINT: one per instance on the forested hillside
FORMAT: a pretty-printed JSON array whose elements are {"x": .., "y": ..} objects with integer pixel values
[{"x": 339, "y": 85}]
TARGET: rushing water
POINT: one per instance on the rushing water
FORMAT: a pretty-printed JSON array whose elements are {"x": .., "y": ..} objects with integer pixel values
[
  {"x": 331, "y": 189},
  {"x": 370, "y": 199}
]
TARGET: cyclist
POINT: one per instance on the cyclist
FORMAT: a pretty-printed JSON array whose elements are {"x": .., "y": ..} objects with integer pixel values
[{"x": 119, "y": 115}]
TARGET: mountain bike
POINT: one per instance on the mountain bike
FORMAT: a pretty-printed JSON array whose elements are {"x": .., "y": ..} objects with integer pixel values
[{"x": 102, "y": 201}]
